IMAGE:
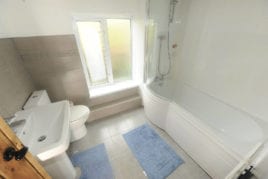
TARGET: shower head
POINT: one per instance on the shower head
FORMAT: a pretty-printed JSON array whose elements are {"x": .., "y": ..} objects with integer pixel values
[{"x": 174, "y": 1}]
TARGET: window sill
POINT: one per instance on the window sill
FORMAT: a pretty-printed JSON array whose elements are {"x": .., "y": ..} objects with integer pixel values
[{"x": 103, "y": 90}]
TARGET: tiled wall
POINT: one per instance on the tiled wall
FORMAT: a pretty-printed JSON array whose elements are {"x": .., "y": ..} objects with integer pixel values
[
  {"x": 15, "y": 82},
  {"x": 55, "y": 65},
  {"x": 224, "y": 55}
]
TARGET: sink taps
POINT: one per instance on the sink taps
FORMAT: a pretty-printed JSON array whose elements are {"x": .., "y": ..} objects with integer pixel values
[{"x": 8, "y": 120}]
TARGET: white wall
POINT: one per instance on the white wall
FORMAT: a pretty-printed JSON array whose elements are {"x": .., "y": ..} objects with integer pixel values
[
  {"x": 50, "y": 17},
  {"x": 225, "y": 52}
]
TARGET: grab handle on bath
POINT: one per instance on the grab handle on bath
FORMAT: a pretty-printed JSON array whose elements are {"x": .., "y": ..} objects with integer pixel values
[{"x": 247, "y": 174}]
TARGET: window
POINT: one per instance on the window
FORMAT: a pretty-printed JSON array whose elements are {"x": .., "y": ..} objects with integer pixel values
[{"x": 106, "y": 47}]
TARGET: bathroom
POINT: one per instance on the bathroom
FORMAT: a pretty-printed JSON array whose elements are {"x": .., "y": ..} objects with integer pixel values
[{"x": 192, "y": 75}]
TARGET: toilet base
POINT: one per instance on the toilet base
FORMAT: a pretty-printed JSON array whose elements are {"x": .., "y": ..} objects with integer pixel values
[{"x": 78, "y": 133}]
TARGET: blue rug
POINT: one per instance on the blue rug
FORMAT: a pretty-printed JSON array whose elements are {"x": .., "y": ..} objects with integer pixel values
[
  {"x": 154, "y": 155},
  {"x": 94, "y": 163}
]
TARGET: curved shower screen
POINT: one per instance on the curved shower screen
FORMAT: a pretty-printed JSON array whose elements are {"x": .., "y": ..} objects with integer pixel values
[{"x": 158, "y": 58}]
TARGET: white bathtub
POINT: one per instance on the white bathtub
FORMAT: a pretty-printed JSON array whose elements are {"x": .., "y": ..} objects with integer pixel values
[{"x": 215, "y": 135}]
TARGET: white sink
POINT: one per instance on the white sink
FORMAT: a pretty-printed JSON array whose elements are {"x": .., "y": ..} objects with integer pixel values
[{"x": 45, "y": 129}]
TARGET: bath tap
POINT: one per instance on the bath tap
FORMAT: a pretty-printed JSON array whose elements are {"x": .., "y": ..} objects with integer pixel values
[{"x": 159, "y": 78}]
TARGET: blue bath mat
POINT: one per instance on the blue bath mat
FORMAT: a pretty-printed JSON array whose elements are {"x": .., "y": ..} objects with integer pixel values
[
  {"x": 154, "y": 155},
  {"x": 94, "y": 163}
]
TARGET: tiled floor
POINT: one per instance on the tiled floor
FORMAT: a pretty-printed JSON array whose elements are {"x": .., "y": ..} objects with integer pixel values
[{"x": 125, "y": 166}]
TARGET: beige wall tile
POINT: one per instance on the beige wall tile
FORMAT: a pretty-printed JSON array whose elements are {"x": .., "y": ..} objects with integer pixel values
[
  {"x": 15, "y": 82},
  {"x": 49, "y": 44},
  {"x": 51, "y": 63},
  {"x": 54, "y": 64}
]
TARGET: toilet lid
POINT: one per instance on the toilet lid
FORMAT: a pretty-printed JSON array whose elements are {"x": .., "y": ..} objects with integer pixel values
[{"x": 78, "y": 112}]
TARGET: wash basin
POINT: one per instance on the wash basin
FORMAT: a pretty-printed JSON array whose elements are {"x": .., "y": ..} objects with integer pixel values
[{"x": 44, "y": 129}]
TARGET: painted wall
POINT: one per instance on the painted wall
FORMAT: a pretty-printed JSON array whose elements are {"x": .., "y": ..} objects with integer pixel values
[
  {"x": 37, "y": 17},
  {"x": 15, "y": 83}
]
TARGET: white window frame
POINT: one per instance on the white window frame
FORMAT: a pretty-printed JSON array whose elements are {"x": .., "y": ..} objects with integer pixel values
[{"x": 107, "y": 55}]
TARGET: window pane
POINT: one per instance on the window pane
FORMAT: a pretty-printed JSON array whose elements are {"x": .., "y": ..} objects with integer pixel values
[
  {"x": 119, "y": 40},
  {"x": 91, "y": 38}
]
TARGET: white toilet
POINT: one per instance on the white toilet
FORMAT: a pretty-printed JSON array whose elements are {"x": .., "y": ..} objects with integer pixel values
[{"x": 79, "y": 113}]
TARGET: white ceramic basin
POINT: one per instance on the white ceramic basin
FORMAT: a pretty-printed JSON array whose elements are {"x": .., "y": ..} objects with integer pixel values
[{"x": 45, "y": 130}]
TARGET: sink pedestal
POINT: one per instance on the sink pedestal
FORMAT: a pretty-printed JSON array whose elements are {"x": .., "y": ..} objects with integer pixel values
[{"x": 60, "y": 167}]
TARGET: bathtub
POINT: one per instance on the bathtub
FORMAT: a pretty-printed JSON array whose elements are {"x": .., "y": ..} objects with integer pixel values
[{"x": 213, "y": 133}]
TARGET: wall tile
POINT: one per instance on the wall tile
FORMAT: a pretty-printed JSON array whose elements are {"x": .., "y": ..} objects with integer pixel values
[
  {"x": 16, "y": 83},
  {"x": 54, "y": 64}
]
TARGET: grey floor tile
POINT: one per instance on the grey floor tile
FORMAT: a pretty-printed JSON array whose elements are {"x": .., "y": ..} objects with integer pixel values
[{"x": 125, "y": 166}]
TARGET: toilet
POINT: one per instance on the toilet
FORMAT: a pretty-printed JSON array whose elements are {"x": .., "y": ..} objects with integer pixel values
[
  {"x": 79, "y": 116},
  {"x": 79, "y": 113}
]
